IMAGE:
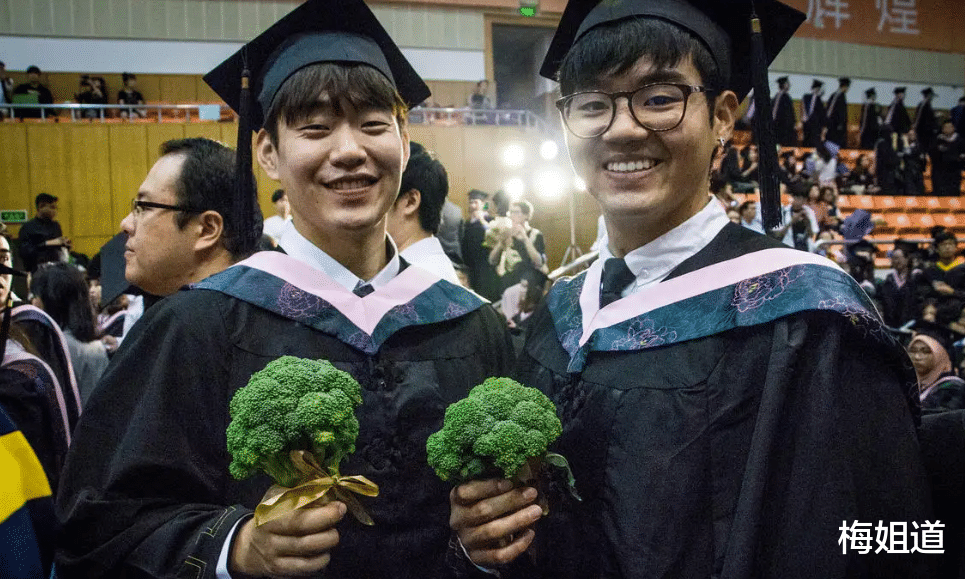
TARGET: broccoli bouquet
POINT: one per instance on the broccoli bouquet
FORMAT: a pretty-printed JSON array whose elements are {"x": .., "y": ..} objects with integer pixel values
[
  {"x": 501, "y": 428},
  {"x": 295, "y": 420}
]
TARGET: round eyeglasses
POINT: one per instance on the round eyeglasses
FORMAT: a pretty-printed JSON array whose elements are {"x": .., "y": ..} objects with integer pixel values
[
  {"x": 657, "y": 107},
  {"x": 138, "y": 206}
]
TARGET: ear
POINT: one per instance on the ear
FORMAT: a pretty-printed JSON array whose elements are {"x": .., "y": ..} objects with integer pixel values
[
  {"x": 725, "y": 114},
  {"x": 406, "y": 151},
  {"x": 408, "y": 202},
  {"x": 210, "y": 226},
  {"x": 267, "y": 154}
]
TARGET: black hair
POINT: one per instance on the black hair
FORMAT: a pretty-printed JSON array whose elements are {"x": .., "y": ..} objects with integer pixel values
[
  {"x": 207, "y": 182},
  {"x": 33, "y": 69},
  {"x": 360, "y": 84},
  {"x": 615, "y": 47},
  {"x": 501, "y": 203},
  {"x": 44, "y": 198},
  {"x": 62, "y": 289},
  {"x": 426, "y": 175},
  {"x": 277, "y": 195},
  {"x": 128, "y": 76},
  {"x": 744, "y": 207}
]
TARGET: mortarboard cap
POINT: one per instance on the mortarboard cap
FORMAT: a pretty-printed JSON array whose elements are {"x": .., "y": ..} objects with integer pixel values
[
  {"x": 901, "y": 89},
  {"x": 857, "y": 225},
  {"x": 317, "y": 31},
  {"x": 816, "y": 84},
  {"x": 723, "y": 26},
  {"x": 928, "y": 92},
  {"x": 477, "y": 194},
  {"x": 870, "y": 92},
  {"x": 844, "y": 81},
  {"x": 782, "y": 80},
  {"x": 7, "y": 270}
]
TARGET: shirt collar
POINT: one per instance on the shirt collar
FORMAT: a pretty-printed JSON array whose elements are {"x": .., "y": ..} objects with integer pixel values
[
  {"x": 654, "y": 261},
  {"x": 300, "y": 248}
]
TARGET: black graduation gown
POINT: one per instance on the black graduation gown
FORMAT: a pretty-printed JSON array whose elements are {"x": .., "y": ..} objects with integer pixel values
[
  {"x": 913, "y": 162},
  {"x": 870, "y": 124},
  {"x": 887, "y": 167},
  {"x": 482, "y": 275},
  {"x": 736, "y": 455},
  {"x": 783, "y": 115},
  {"x": 898, "y": 117},
  {"x": 838, "y": 119},
  {"x": 900, "y": 304},
  {"x": 926, "y": 126},
  {"x": 946, "y": 156},
  {"x": 814, "y": 119},
  {"x": 146, "y": 490}
]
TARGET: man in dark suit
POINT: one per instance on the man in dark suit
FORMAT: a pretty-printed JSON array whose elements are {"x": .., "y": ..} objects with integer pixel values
[
  {"x": 958, "y": 116},
  {"x": 897, "y": 115},
  {"x": 870, "y": 119},
  {"x": 837, "y": 123},
  {"x": 782, "y": 113},
  {"x": 813, "y": 115}
]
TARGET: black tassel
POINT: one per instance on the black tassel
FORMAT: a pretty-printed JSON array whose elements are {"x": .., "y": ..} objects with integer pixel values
[
  {"x": 764, "y": 131},
  {"x": 249, "y": 231},
  {"x": 5, "y": 326}
]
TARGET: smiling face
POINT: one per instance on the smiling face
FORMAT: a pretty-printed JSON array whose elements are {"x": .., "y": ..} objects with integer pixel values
[
  {"x": 648, "y": 181},
  {"x": 340, "y": 167}
]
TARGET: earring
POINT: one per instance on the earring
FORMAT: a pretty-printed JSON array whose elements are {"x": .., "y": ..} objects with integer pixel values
[{"x": 721, "y": 141}]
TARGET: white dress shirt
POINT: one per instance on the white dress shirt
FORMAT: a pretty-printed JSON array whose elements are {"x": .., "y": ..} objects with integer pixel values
[{"x": 430, "y": 256}]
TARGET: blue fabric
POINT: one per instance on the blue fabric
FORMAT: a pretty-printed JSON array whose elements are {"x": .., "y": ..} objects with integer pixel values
[
  {"x": 750, "y": 302},
  {"x": 440, "y": 302}
]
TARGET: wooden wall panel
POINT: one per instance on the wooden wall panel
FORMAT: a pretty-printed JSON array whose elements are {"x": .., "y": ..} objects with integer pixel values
[
  {"x": 157, "y": 134},
  {"x": 89, "y": 187},
  {"x": 178, "y": 88},
  {"x": 129, "y": 166},
  {"x": 14, "y": 171},
  {"x": 207, "y": 130},
  {"x": 49, "y": 152}
]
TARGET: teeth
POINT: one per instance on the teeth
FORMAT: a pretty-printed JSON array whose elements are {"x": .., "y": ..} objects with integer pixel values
[
  {"x": 345, "y": 185},
  {"x": 627, "y": 167}
]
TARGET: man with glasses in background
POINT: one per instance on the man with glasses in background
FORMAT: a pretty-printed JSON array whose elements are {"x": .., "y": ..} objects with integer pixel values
[{"x": 179, "y": 228}]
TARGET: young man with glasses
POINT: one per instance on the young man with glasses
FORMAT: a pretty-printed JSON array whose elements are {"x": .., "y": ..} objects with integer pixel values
[
  {"x": 726, "y": 402},
  {"x": 180, "y": 227}
]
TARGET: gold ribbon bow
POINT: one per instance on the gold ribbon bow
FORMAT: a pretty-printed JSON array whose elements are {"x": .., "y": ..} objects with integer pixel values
[{"x": 321, "y": 487}]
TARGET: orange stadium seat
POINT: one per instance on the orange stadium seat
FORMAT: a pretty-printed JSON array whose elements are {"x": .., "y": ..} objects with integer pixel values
[
  {"x": 910, "y": 204},
  {"x": 885, "y": 204},
  {"x": 866, "y": 202},
  {"x": 933, "y": 204},
  {"x": 953, "y": 221},
  {"x": 951, "y": 203}
]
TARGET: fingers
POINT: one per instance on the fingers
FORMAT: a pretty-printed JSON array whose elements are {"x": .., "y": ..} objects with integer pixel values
[
  {"x": 494, "y": 532},
  {"x": 501, "y": 555},
  {"x": 307, "y": 520},
  {"x": 483, "y": 511},
  {"x": 477, "y": 490}
]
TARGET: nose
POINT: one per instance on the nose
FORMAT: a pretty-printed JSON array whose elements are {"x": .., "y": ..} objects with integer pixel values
[
  {"x": 127, "y": 224},
  {"x": 624, "y": 125},
  {"x": 348, "y": 151}
]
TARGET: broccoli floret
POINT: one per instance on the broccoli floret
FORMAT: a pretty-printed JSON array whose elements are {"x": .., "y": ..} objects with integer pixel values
[
  {"x": 292, "y": 404},
  {"x": 495, "y": 429}
]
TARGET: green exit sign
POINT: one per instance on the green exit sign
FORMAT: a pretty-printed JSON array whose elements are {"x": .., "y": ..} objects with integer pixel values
[{"x": 13, "y": 215}]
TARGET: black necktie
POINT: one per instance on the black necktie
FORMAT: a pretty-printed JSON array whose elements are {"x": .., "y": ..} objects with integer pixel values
[
  {"x": 363, "y": 289},
  {"x": 616, "y": 277}
]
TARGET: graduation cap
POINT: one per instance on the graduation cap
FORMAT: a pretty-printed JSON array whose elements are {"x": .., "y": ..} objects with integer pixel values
[
  {"x": 782, "y": 80},
  {"x": 901, "y": 89},
  {"x": 477, "y": 194},
  {"x": 742, "y": 36},
  {"x": 340, "y": 31},
  {"x": 909, "y": 248},
  {"x": 816, "y": 84},
  {"x": 870, "y": 92},
  {"x": 112, "y": 266},
  {"x": 928, "y": 92},
  {"x": 844, "y": 81},
  {"x": 857, "y": 225},
  {"x": 945, "y": 336}
]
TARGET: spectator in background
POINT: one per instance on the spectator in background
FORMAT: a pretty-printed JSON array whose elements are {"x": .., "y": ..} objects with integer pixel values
[
  {"x": 897, "y": 116},
  {"x": 518, "y": 248},
  {"x": 947, "y": 157},
  {"x": 41, "y": 238},
  {"x": 926, "y": 125},
  {"x": 129, "y": 95},
  {"x": 829, "y": 197},
  {"x": 6, "y": 90},
  {"x": 824, "y": 163},
  {"x": 813, "y": 115},
  {"x": 748, "y": 177},
  {"x": 482, "y": 276},
  {"x": 931, "y": 354},
  {"x": 860, "y": 179},
  {"x": 912, "y": 161},
  {"x": 414, "y": 218},
  {"x": 60, "y": 290},
  {"x": 276, "y": 224},
  {"x": 800, "y": 224},
  {"x": 32, "y": 91},
  {"x": 816, "y": 202},
  {"x": 887, "y": 163},
  {"x": 945, "y": 279},
  {"x": 723, "y": 191},
  {"x": 748, "y": 216},
  {"x": 450, "y": 231},
  {"x": 899, "y": 293},
  {"x": 91, "y": 93},
  {"x": 837, "y": 123},
  {"x": 870, "y": 119},
  {"x": 479, "y": 100}
]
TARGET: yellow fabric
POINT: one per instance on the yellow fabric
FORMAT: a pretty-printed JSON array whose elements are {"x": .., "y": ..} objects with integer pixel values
[
  {"x": 21, "y": 476},
  {"x": 945, "y": 267}
]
